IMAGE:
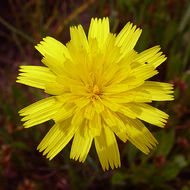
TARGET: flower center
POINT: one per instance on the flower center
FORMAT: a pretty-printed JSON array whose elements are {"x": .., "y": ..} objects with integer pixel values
[{"x": 96, "y": 90}]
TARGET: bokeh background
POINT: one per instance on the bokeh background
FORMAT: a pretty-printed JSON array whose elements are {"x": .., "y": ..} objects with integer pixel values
[{"x": 25, "y": 23}]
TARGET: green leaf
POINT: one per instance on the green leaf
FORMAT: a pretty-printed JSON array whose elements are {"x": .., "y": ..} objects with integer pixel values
[
  {"x": 170, "y": 171},
  {"x": 170, "y": 29},
  {"x": 166, "y": 141},
  {"x": 185, "y": 19},
  {"x": 175, "y": 66},
  {"x": 132, "y": 152}
]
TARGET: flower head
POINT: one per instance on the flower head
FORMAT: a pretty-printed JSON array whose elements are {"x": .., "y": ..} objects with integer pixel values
[{"x": 99, "y": 91}]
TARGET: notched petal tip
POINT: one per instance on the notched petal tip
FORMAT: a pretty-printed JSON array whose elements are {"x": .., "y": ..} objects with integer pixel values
[
  {"x": 37, "y": 46},
  {"x": 21, "y": 112},
  {"x": 48, "y": 38},
  {"x": 18, "y": 81}
]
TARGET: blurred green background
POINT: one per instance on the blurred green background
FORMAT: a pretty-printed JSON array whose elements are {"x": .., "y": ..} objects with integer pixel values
[{"x": 22, "y": 25}]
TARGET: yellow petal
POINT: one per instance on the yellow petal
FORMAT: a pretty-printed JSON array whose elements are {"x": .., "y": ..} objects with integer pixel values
[
  {"x": 54, "y": 48},
  {"x": 49, "y": 138},
  {"x": 107, "y": 149},
  {"x": 78, "y": 46},
  {"x": 95, "y": 125},
  {"x": 78, "y": 37},
  {"x": 64, "y": 112},
  {"x": 152, "y": 56},
  {"x": 139, "y": 135},
  {"x": 144, "y": 72},
  {"x": 133, "y": 79},
  {"x": 89, "y": 111},
  {"x": 78, "y": 118},
  {"x": 99, "y": 29},
  {"x": 35, "y": 76},
  {"x": 55, "y": 66},
  {"x": 158, "y": 91},
  {"x": 134, "y": 95},
  {"x": 82, "y": 102},
  {"x": 111, "y": 51},
  {"x": 127, "y": 111},
  {"x": 81, "y": 144},
  {"x": 127, "y": 38},
  {"x": 55, "y": 54},
  {"x": 111, "y": 104},
  {"x": 54, "y": 88},
  {"x": 115, "y": 123},
  {"x": 147, "y": 113},
  {"x": 109, "y": 74},
  {"x": 56, "y": 139},
  {"x": 40, "y": 111},
  {"x": 98, "y": 106}
]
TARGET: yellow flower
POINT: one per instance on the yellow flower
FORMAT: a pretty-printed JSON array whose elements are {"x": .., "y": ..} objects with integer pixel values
[{"x": 99, "y": 90}]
